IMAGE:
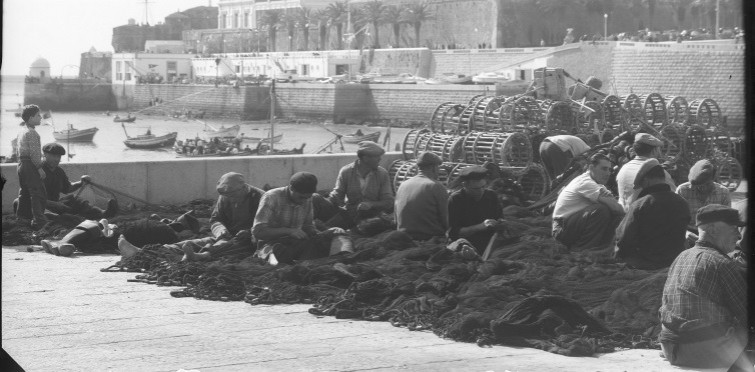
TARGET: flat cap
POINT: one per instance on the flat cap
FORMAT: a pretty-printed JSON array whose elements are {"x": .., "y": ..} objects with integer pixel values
[
  {"x": 718, "y": 213},
  {"x": 230, "y": 182},
  {"x": 428, "y": 158},
  {"x": 702, "y": 172},
  {"x": 304, "y": 182},
  {"x": 475, "y": 172},
  {"x": 644, "y": 168},
  {"x": 54, "y": 148},
  {"x": 647, "y": 139},
  {"x": 370, "y": 148}
]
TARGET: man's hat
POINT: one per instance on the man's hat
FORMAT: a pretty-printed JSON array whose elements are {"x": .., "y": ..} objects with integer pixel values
[
  {"x": 718, "y": 213},
  {"x": 644, "y": 168},
  {"x": 370, "y": 148},
  {"x": 702, "y": 172},
  {"x": 647, "y": 139},
  {"x": 428, "y": 158},
  {"x": 476, "y": 172},
  {"x": 53, "y": 148},
  {"x": 304, "y": 182},
  {"x": 230, "y": 183}
]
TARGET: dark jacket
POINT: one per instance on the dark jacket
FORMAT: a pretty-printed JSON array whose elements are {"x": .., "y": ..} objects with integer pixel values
[{"x": 652, "y": 232}]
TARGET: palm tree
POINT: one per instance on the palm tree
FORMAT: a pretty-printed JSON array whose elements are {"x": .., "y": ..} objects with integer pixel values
[
  {"x": 323, "y": 24},
  {"x": 304, "y": 17},
  {"x": 415, "y": 14},
  {"x": 289, "y": 22},
  {"x": 337, "y": 13},
  {"x": 272, "y": 19},
  {"x": 394, "y": 16},
  {"x": 374, "y": 13},
  {"x": 650, "y": 4},
  {"x": 554, "y": 11},
  {"x": 358, "y": 30}
]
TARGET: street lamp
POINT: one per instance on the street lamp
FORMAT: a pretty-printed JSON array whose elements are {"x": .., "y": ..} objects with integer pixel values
[{"x": 605, "y": 26}]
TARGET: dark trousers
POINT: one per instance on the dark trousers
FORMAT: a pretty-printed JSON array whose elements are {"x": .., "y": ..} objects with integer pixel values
[
  {"x": 591, "y": 228},
  {"x": 32, "y": 196},
  {"x": 334, "y": 216},
  {"x": 70, "y": 204},
  {"x": 287, "y": 249},
  {"x": 554, "y": 159}
]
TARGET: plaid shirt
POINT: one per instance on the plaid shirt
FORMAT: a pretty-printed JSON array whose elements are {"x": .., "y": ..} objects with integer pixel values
[
  {"x": 278, "y": 210},
  {"x": 698, "y": 199},
  {"x": 29, "y": 146},
  {"x": 704, "y": 287}
]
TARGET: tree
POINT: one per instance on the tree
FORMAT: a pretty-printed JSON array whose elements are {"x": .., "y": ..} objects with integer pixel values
[
  {"x": 415, "y": 14},
  {"x": 374, "y": 12},
  {"x": 289, "y": 22},
  {"x": 304, "y": 17},
  {"x": 394, "y": 16},
  {"x": 323, "y": 25},
  {"x": 650, "y": 4},
  {"x": 272, "y": 19},
  {"x": 679, "y": 8},
  {"x": 358, "y": 30},
  {"x": 554, "y": 11},
  {"x": 337, "y": 13}
]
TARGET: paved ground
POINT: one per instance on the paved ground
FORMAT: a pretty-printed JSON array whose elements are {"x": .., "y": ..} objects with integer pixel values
[{"x": 63, "y": 314}]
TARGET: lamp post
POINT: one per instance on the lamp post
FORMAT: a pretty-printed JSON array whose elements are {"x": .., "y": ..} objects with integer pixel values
[
  {"x": 605, "y": 26},
  {"x": 217, "y": 67}
]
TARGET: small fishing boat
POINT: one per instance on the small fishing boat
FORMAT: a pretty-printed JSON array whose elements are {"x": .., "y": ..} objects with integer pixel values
[
  {"x": 212, "y": 132},
  {"x": 359, "y": 137},
  {"x": 457, "y": 78},
  {"x": 129, "y": 119},
  {"x": 149, "y": 140},
  {"x": 489, "y": 78},
  {"x": 276, "y": 139},
  {"x": 72, "y": 134}
]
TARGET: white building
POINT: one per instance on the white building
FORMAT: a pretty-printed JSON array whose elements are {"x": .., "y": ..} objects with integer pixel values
[
  {"x": 130, "y": 68},
  {"x": 279, "y": 64},
  {"x": 164, "y": 46},
  {"x": 40, "y": 69}
]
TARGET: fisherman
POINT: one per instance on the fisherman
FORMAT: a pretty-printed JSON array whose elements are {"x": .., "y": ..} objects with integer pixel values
[
  {"x": 700, "y": 190},
  {"x": 363, "y": 190},
  {"x": 704, "y": 305},
  {"x": 56, "y": 182},
  {"x": 474, "y": 211},
  {"x": 586, "y": 213},
  {"x": 32, "y": 194},
  {"x": 230, "y": 223},
  {"x": 646, "y": 147},
  {"x": 652, "y": 233},
  {"x": 556, "y": 152},
  {"x": 422, "y": 201},
  {"x": 284, "y": 224}
]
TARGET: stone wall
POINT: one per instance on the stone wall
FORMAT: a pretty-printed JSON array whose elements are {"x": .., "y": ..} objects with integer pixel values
[
  {"x": 588, "y": 60},
  {"x": 474, "y": 61},
  {"x": 244, "y": 103},
  {"x": 72, "y": 95}
]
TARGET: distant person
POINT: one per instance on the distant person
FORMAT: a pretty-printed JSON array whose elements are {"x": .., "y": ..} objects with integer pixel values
[
  {"x": 652, "y": 233},
  {"x": 586, "y": 214},
  {"x": 422, "y": 202},
  {"x": 701, "y": 190},
  {"x": 569, "y": 38},
  {"x": 556, "y": 152},
  {"x": 646, "y": 147},
  {"x": 703, "y": 309},
  {"x": 32, "y": 195}
]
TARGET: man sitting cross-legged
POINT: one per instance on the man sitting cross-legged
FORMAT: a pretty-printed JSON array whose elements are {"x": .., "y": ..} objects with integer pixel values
[
  {"x": 284, "y": 224},
  {"x": 474, "y": 210}
]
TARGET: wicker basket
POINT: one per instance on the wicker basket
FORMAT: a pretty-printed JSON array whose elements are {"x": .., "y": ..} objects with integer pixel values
[
  {"x": 677, "y": 109},
  {"x": 654, "y": 107},
  {"x": 559, "y": 117},
  {"x": 402, "y": 170},
  {"x": 590, "y": 121},
  {"x": 705, "y": 112},
  {"x": 534, "y": 181},
  {"x": 729, "y": 173},
  {"x": 505, "y": 149},
  {"x": 410, "y": 142},
  {"x": 486, "y": 113},
  {"x": 447, "y": 146},
  {"x": 613, "y": 112},
  {"x": 635, "y": 112},
  {"x": 445, "y": 118},
  {"x": 675, "y": 135},
  {"x": 697, "y": 144}
]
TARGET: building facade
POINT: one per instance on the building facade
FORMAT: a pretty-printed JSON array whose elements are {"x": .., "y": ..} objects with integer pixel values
[{"x": 133, "y": 68}]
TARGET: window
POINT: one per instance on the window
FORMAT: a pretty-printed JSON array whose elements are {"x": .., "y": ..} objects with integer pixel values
[
  {"x": 172, "y": 66},
  {"x": 236, "y": 20},
  {"x": 223, "y": 21},
  {"x": 305, "y": 70},
  {"x": 118, "y": 74},
  {"x": 246, "y": 19},
  {"x": 342, "y": 69}
]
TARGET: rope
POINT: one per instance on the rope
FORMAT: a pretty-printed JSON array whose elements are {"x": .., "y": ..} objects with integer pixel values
[{"x": 121, "y": 193}]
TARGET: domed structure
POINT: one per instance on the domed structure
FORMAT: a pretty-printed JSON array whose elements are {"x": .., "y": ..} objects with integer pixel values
[{"x": 40, "y": 69}]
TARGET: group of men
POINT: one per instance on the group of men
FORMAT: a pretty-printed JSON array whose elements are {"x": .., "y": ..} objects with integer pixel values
[{"x": 647, "y": 226}]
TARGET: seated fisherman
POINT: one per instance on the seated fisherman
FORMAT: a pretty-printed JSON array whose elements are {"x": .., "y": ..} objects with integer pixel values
[
  {"x": 646, "y": 147},
  {"x": 556, "y": 152},
  {"x": 422, "y": 201},
  {"x": 230, "y": 222},
  {"x": 652, "y": 233},
  {"x": 363, "y": 190},
  {"x": 56, "y": 182},
  {"x": 586, "y": 213},
  {"x": 284, "y": 224},
  {"x": 700, "y": 190},
  {"x": 474, "y": 210},
  {"x": 704, "y": 305}
]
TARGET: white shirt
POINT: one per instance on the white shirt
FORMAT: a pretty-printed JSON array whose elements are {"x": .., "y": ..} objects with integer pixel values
[
  {"x": 625, "y": 180},
  {"x": 570, "y": 143},
  {"x": 579, "y": 194}
]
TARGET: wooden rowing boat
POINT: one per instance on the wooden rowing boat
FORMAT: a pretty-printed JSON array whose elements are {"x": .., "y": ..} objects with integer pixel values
[
  {"x": 149, "y": 140},
  {"x": 358, "y": 137},
  {"x": 75, "y": 135}
]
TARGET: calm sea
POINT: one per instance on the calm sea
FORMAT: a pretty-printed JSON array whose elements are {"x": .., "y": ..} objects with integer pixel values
[{"x": 108, "y": 146}]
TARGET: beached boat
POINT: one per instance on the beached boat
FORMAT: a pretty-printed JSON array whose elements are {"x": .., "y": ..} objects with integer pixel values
[
  {"x": 457, "y": 78},
  {"x": 212, "y": 132},
  {"x": 149, "y": 140},
  {"x": 75, "y": 135},
  {"x": 489, "y": 78},
  {"x": 276, "y": 139},
  {"x": 359, "y": 137},
  {"x": 129, "y": 119}
]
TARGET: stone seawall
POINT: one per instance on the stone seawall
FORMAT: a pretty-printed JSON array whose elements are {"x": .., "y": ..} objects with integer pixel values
[{"x": 70, "y": 96}]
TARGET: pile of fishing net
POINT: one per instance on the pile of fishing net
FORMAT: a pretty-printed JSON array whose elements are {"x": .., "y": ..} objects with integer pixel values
[{"x": 531, "y": 292}]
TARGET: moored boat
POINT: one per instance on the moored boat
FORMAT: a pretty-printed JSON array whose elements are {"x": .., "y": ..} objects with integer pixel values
[
  {"x": 149, "y": 140},
  {"x": 457, "y": 78},
  {"x": 359, "y": 137},
  {"x": 222, "y": 131},
  {"x": 75, "y": 135},
  {"x": 129, "y": 119},
  {"x": 489, "y": 78},
  {"x": 276, "y": 139}
]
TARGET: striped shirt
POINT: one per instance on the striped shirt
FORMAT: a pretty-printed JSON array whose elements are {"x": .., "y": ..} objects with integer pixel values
[
  {"x": 29, "y": 146},
  {"x": 276, "y": 210},
  {"x": 703, "y": 287}
]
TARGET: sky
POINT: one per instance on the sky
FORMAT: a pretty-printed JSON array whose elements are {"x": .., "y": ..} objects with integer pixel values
[{"x": 60, "y": 31}]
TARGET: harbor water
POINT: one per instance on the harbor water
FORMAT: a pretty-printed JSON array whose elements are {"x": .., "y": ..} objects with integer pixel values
[{"x": 107, "y": 145}]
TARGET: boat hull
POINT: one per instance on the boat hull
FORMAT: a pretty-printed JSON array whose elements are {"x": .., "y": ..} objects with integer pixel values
[
  {"x": 75, "y": 135},
  {"x": 224, "y": 132},
  {"x": 350, "y": 138},
  {"x": 276, "y": 139},
  {"x": 127, "y": 120},
  {"x": 152, "y": 143}
]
